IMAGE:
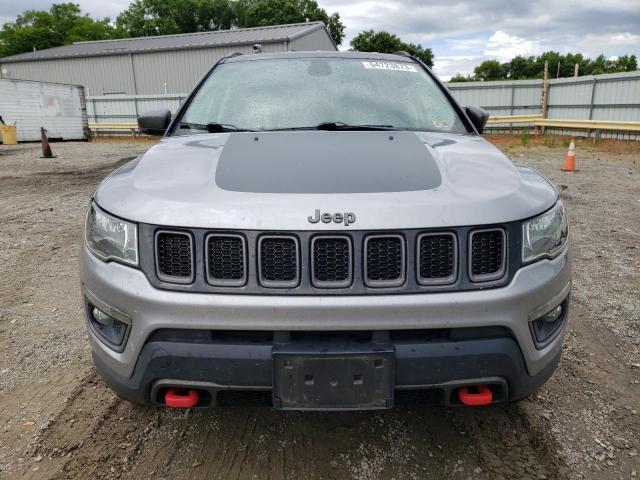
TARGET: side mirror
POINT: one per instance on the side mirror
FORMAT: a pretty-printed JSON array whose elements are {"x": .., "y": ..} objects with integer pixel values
[
  {"x": 478, "y": 117},
  {"x": 154, "y": 122}
]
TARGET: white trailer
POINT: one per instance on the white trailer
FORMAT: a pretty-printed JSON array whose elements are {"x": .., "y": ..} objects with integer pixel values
[{"x": 57, "y": 107}]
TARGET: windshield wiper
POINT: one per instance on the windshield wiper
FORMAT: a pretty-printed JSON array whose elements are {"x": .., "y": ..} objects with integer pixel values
[
  {"x": 334, "y": 127},
  {"x": 212, "y": 127},
  {"x": 341, "y": 126}
]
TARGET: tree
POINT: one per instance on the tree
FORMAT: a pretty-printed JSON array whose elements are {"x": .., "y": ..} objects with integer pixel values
[
  {"x": 458, "y": 77},
  {"x": 63, "y": 24},
  {"x": 625, "y": 63},
  {"x": 165, "y": 17},
  {"x": 521, "y": 68},
  {"x": 261, "y": 13},
  {"x": 488, "y": 70},
  {"x": 385, "y": 42}
]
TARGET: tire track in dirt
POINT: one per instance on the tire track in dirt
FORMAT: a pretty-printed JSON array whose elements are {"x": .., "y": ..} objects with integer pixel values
[{"x": 234, "y": 443}]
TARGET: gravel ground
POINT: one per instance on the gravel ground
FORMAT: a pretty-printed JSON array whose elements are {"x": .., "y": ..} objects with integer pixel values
[{"x": 58, "y": 419}]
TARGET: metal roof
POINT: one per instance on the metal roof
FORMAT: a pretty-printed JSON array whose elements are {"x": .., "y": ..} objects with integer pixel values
[{"x": 241, "y": 36}]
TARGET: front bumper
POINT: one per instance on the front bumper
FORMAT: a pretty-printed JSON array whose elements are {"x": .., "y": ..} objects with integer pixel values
[{"x": 517, "y": 359}]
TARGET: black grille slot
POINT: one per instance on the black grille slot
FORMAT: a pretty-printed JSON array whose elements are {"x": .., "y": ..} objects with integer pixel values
[
  {"x": 487, "y": 255},
  {"x": 279, "y": 261},
  {"x": 385, "y": 263},
  {"x": 331, "y": 262},
  {"x": 174, "y": 254},
  {"x": 437, "y": 258},
  {"x": 226, "y": 264}
]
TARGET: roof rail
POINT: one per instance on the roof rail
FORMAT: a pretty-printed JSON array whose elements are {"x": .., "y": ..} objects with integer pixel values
[{"x": 402, "y": 53}]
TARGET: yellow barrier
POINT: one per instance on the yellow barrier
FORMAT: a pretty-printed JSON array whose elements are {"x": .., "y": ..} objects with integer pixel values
[
  {"x": 97, "y": 127},
  {"x": 538, "y": 121},
  {"x": 514, "y": 119},
  {"x": 590, "y": 125},
  {"x": 9, "y": 134}
]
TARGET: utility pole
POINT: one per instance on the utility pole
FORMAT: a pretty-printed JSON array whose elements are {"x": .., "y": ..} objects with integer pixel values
[
  {"x": 558, "y": 71},
  {"x": 545, "y": 93},
  {"x": 576, "y": 70}
]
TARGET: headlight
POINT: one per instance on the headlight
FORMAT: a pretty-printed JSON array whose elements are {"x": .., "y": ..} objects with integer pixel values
[
  {"x": 110, "y": 238},
  {"x": 545, "y": 235}
]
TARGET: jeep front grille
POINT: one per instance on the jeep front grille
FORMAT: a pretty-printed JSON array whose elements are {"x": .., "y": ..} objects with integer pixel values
[
  {"x": 331, "y": 263},
  {"x": 488, "y": 254},
  {"x": 385, "y": 260},
  {"x": 279, "y": 261},
  {"x": 437, "y": 254},
  {"x": 226, "y": 264},
  {"x": 345, "y": 262},
  {"x": 174, "y": 257}
]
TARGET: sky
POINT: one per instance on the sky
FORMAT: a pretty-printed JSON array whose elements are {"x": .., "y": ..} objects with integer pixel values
[{"x": 462, "y": 33}]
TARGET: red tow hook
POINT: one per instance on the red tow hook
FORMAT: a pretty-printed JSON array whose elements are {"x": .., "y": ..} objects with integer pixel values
[
  {"x": 482, "y": 395},
  {"x": 175, "y": 399}
]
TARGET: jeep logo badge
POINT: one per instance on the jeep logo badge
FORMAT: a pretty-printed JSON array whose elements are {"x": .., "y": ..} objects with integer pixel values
[{"x": 347, "y": 218}]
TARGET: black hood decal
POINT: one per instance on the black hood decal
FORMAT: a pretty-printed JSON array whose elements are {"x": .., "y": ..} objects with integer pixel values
[{"x": 326, "y": 162}]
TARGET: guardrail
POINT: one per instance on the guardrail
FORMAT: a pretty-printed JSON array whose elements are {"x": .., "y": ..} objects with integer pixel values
[
  {"x": 514, "y": 118},
  {"x": 598, "y": 127},
  {"x": 533, "y": 120},
  {"x": 603, "y": 125}
]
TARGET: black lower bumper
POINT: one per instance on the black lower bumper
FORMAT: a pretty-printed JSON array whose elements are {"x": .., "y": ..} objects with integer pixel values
[{"x": 436, "y": 369}]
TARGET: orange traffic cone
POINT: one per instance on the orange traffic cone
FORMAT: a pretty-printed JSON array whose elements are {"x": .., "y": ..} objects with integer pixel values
[
  {"x": 46, "y": 148},
  {"x": 570, "y": 162}
]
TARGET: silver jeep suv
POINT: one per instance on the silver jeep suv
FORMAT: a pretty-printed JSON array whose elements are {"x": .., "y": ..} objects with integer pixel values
[{"x": 324, "y": 231}]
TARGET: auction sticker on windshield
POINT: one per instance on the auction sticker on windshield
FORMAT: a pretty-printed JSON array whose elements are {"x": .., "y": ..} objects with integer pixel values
[{"x": 401, "y": 67}]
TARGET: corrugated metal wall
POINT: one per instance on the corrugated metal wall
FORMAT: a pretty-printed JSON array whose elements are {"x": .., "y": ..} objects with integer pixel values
[
  {"x": 614, "y": 96},
  {"x": 601, "y": 97},
  {"x": 138, "y": 73},
  {"x": 521, "y": 97},
  {"x": 31, "y": 105},
  {"x": 316, "y": 40},
  {"x": 99, "y": 75}
]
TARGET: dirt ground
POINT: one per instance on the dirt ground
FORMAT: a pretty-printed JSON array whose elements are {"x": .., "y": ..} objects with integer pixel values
[{"x": 58, "y": 420}]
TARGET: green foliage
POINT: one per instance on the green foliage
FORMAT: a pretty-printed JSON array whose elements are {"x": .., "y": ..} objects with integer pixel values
[
  {"x": 524, "y": 137},
  {"x": 488, "y": 70},
  {"x": 164, "y": 17},
  {"x": 259, "y": 13},
  {"x": 566, "y": 142},
  {"x": 63, "y": 24},
  {"x": 385, "y": 42},
  {"x": 549, "y": 141},
  {"x": 522, "y": 68},
  {"x": 458, "y": 77}
]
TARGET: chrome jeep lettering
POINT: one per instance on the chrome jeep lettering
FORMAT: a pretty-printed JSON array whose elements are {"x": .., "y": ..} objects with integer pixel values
[{"x": 347, "y": 218}]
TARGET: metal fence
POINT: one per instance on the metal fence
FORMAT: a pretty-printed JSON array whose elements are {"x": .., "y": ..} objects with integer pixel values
[
  {"x": 126, "y": 108},
  {"x": 613, "y": 96}
]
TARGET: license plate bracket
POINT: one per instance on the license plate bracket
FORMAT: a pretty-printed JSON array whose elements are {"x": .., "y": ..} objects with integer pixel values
[{"x": 325, "y": 380}]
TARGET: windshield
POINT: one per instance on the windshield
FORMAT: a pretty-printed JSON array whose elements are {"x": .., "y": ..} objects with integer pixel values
[{"x": 307, "y": 92}]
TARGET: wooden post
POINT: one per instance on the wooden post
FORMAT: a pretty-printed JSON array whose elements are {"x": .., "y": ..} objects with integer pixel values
[{"x": 545, "y": 93}]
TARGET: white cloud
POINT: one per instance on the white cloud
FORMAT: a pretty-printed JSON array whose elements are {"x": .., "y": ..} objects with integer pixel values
[
  {"x": 504, "y": 47},
  {"x": 448, "y": 66}
]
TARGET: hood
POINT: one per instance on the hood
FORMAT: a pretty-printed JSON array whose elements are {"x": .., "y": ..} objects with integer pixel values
[{"x": 288, "y": 180}]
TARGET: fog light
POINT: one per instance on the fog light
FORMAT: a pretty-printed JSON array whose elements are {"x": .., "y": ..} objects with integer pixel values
[
  {"x": 545, "y": 326},
  {"x": 101, "y": 317},
  {"x": 553, "y": 315},
  {"x": 111, "y": 327}
]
